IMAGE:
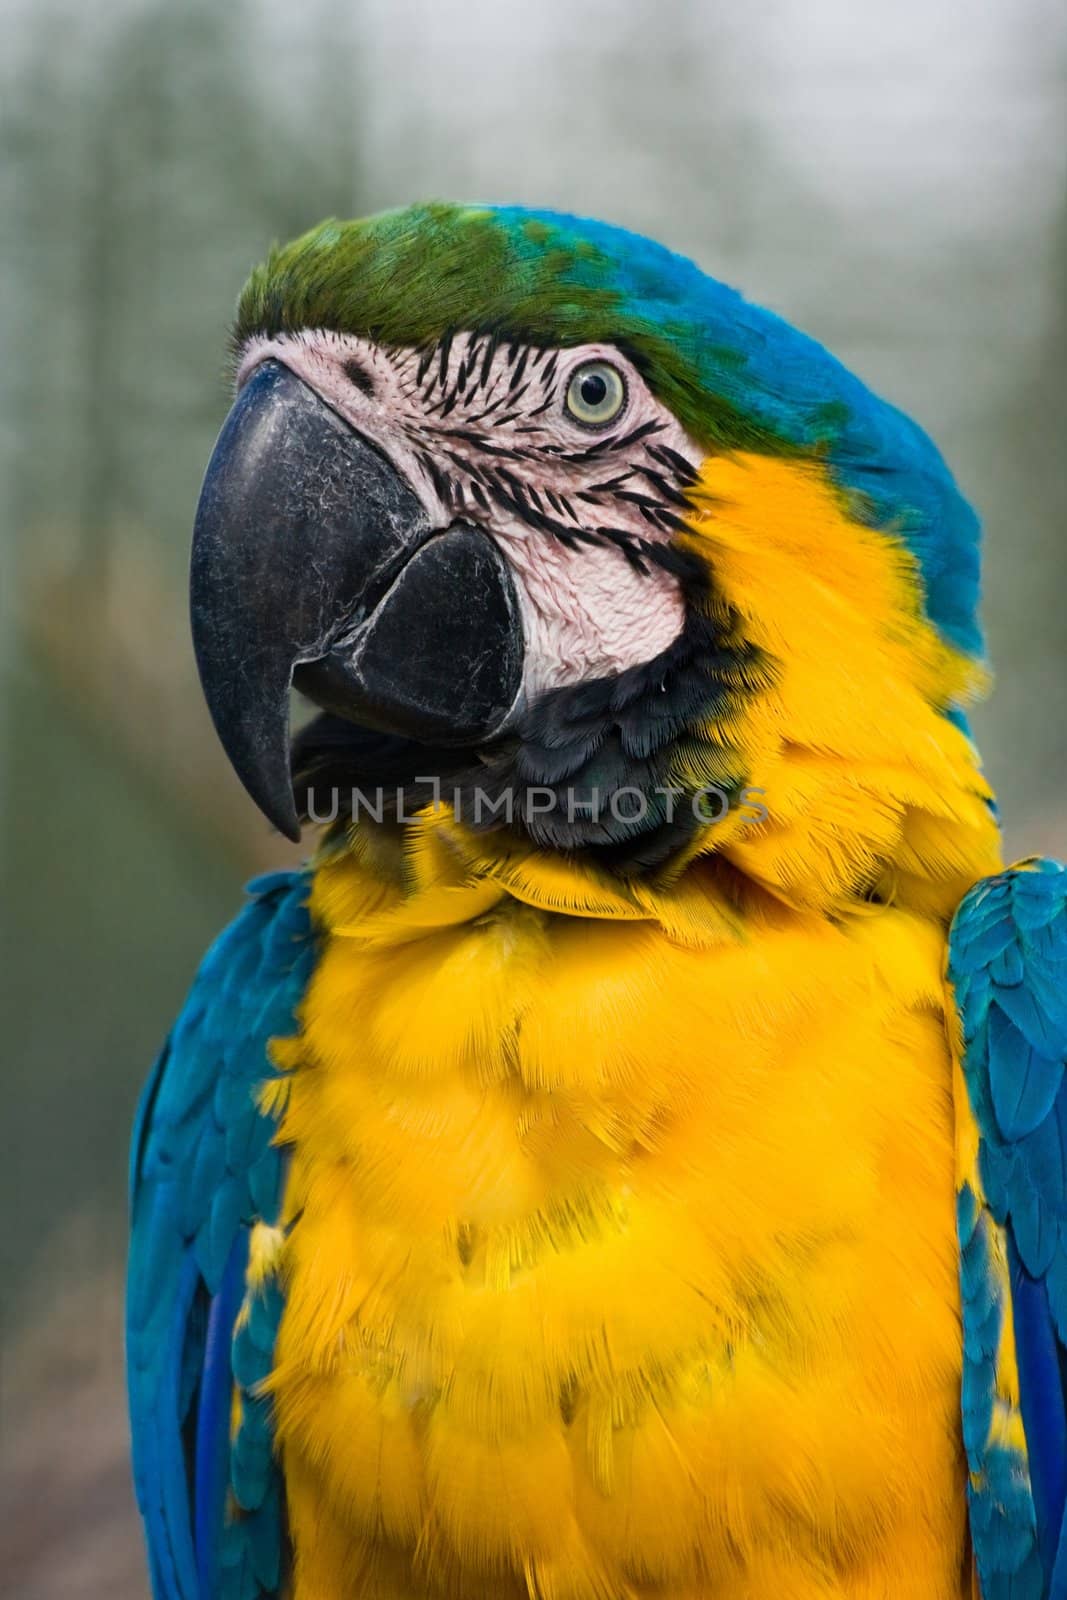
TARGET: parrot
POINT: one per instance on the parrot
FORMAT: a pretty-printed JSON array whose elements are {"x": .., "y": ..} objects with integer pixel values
[{"x": 628, "y": 1160}]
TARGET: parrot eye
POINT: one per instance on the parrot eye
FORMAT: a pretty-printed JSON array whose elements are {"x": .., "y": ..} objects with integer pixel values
[{"x": 596, "y": 394}]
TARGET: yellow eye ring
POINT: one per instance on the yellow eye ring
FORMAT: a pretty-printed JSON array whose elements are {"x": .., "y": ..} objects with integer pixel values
[{"x": 596, "y": 394}]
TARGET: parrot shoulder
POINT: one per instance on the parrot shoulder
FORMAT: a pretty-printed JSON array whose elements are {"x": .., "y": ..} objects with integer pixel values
[
  {"x": 1007, "y": 973},
  {"x": 203, "y": 1303}
]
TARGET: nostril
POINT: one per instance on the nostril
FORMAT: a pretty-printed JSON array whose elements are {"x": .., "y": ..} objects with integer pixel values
[{"x": 357, "y": 374}]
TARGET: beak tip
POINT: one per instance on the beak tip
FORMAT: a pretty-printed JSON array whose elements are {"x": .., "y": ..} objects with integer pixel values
[{"x": 277, "y": 805}]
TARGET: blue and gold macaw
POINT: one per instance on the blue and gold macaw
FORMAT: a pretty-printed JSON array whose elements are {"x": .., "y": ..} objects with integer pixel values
[{"x": 630, "y": 1161}]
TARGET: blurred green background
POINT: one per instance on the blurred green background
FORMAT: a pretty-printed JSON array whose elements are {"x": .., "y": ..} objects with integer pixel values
[{"x": 890, "y": 178}]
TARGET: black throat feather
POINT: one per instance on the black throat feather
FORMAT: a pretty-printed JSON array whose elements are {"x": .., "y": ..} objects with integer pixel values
[{"x": 586, "y": 768}]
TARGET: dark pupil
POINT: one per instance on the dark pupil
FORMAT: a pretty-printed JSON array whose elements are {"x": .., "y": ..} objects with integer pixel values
[{"x": 594, "y": 389}]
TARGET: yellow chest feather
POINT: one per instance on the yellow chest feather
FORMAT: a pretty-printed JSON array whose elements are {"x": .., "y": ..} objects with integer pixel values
[{"x": 619, "y": 1266}]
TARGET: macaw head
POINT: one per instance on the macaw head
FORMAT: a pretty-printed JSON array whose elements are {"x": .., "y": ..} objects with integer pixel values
[{"x": 532, "y": 507}]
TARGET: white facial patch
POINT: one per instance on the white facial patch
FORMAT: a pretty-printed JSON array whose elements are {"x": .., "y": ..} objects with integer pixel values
[{"x": 480, "y": 429}]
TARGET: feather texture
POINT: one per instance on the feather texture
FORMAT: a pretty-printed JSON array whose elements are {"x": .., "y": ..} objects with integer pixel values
[
  {"x": 205, "y": 1168},
  {"x": 622, "y": 1260},
  {"x": 1008, "y": 971}
]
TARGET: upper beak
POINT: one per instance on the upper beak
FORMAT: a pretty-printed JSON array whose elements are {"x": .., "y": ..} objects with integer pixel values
[{"x": 312, "y": 556}]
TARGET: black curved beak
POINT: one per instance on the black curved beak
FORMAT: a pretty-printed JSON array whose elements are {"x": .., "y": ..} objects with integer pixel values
[{"x": 314, "y": 562}]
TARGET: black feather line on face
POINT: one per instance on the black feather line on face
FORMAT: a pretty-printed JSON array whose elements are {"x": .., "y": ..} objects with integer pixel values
[
  {"x": 583, "y": 745},
  {"x": 517, "y": 499},
  {"x": 505, "y": 481},
  {"x": 683, "y": 469},
  {"x": 487, "y": 360},
  {"x": 444, "y": 351},
  {"x": 498, "y": 484}
]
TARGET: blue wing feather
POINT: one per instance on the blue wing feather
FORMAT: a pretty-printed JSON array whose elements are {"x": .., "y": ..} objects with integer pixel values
[
  {"x": 204, "y": 1170},
  {"x": 212, "y": 1459},
  {"x": 1008, "y": 971}
]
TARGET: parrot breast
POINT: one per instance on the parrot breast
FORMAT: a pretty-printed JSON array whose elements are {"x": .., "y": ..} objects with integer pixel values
[{"x": 621, "y": 1248}]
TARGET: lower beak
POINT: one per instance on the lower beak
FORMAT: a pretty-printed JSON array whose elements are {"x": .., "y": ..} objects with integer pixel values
[{"x": 314, "y": 561}]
